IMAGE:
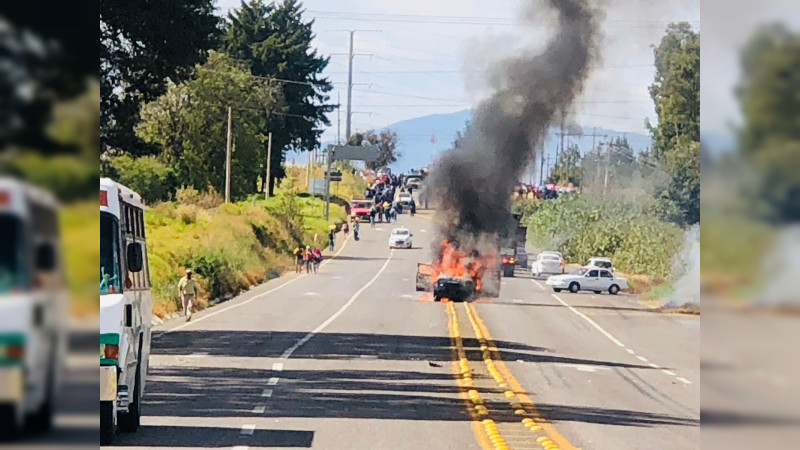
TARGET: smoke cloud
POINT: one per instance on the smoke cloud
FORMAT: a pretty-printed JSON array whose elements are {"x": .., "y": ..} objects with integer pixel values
[
  {"x": 686, "y": 272},
  {"x": 472, "y": 184}
]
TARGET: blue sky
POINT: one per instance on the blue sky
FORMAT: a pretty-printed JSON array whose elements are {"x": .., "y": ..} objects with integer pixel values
[{"x": 424, "y": 57}]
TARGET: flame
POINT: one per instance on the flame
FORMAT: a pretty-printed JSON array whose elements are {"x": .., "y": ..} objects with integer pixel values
[{"x": 455, "y": 263}]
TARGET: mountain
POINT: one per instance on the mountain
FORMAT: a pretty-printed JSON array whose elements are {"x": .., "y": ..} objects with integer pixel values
[{"x": 417, "y": 150}]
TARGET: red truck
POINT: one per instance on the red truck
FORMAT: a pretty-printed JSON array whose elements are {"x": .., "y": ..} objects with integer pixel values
[{"x": 359, "y": 210}]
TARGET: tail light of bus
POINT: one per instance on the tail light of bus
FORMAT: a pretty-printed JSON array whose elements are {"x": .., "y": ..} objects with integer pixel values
[
  {"x": 505, "y": 260},
  {"x": 13, "y": 352},
  {"x": 5, "y": 198},
  {"x": 109, "y": 351}
]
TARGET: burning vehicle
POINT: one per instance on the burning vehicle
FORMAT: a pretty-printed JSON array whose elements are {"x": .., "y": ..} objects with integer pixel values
[{"x": 458, "y": 276}]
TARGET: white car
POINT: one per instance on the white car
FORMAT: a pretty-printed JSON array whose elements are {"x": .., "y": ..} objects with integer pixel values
[
  {"x": 599, "y": 263},
  {"x": 400, "y": 238},
  {"x": 546, "y": 263},
  {"x": 588, "y": 279}
]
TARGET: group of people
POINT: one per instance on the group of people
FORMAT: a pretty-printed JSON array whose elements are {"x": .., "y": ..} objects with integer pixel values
[{"x": 308, "y": 258}]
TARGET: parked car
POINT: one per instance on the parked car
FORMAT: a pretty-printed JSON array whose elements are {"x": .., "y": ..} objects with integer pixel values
[
  {"x": 403, "y": 199},
  {"x": 599, "y": 263},
  {"x": 546, "y": 263},
  {"x": 586, "y": 279},
  {"x": 562, "y": 263}
]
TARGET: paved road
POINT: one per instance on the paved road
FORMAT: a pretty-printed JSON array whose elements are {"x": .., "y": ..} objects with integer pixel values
[{"x": 354, "y": 358}]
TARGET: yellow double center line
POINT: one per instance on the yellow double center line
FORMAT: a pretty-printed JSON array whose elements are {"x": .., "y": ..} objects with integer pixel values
[{"x": 545, "y": 433}]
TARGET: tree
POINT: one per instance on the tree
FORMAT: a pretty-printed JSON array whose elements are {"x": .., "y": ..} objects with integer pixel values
[
  {"x": 189, "y": 125},
  {"x": 47, "y": 60},
  {"x": 277, "y": 43},
  {"x": 770, "y": 136},
  {"x": 676, "y": 93},
  {"x": 143, "y": 46},
  {"x": 386, "y": 142},
  {"x": 567, "y": 168}
]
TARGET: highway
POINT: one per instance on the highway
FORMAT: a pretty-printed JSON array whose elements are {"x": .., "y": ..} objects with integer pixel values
[{"x": 354, "y": 358}]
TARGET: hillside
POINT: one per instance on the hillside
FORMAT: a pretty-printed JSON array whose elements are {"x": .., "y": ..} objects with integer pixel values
[{"x": 417, "y": 150}]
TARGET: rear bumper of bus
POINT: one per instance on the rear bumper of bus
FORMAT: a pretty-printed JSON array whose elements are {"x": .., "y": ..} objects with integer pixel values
[
  {"x": 11, "y": 385},
  {"x": 108, "y": 383}
]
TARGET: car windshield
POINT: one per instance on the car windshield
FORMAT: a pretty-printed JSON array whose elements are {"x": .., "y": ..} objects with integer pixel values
[
  {"x": 581, "y": 271},
  {"x": 400, "y": 232},
  {"x": 360, "y": 205}
]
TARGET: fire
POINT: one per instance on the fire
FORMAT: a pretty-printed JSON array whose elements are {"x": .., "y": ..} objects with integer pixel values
[{"x": 455, "y": 263}]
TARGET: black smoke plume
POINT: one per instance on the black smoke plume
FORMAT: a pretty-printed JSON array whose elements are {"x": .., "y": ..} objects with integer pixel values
[{"x": 472, "y": 184}]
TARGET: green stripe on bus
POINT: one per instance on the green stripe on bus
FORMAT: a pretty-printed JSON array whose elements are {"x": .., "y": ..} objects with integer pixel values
[
  {"x": 15, "y": 339},
  {"x": 7, "y": 362},
  {"x": 109, "y": 338},
  {"x": 108, "y": 362}
]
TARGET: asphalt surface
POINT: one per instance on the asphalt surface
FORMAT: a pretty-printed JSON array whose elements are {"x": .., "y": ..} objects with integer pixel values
[{"x": 354, "y": 358}]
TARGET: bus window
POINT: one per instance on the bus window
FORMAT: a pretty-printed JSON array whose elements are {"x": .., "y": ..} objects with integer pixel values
[
  {"x": 13, "y": 273},
  {"x": 110, "y": 282}
]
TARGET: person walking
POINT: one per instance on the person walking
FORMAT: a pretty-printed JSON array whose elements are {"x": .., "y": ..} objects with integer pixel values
[
  {"x": 317, "y": 258},
  {"x": 356, "y": 229},
  {"x": 372, "y": 213},
  {"x": 308, "y": 259},
  {"x": 187, "y": 291},
  {"x": 331, "y": 237},
  {"x": 412, "y": 207},
  {"x": 298, "y": 259},
  {"x": 346, "y": 229}
]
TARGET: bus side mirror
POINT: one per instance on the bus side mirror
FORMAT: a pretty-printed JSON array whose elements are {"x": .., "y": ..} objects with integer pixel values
[
  {"x": 45, "y": 257},
  {"x": 135, "y": 257}
]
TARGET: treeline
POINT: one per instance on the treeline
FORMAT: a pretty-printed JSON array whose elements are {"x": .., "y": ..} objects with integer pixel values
[{"x": 166, "y": 104}]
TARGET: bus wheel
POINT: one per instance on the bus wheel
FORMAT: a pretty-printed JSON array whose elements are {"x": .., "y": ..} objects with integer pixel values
[
  {"x": 42, "y": 419},
  {"x": 129, "y": 421},
  {"x": 107, "y": 430},
  {"x": 9, "y": 428}
]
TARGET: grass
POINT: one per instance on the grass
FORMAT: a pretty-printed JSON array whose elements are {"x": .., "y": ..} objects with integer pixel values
[{"x": 80, "y": 229}]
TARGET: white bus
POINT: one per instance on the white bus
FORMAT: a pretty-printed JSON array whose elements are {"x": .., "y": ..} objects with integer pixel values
[
  {"x": 125, "y": 309},
  {"x": 32, "y": 307}
]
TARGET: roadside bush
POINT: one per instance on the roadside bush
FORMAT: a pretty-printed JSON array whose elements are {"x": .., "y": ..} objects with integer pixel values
[
  {"x": 582, "y": 227},
  {"x": 207, "y": 200},
  {"x": 68, "y": 177}
]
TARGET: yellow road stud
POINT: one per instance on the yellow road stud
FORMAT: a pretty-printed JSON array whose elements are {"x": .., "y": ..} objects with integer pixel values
[{"x": 509, "y": 394}]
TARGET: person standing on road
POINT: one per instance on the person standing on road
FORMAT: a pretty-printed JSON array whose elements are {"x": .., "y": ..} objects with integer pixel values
[
  {"x": 317, "y": 258},
  {"x": 331, "y": 237},
  {"x": 187, "y": 291},
  {"x": 372, "y": 213},
  {"x": 356, "y": 229},
  {"x": 345, "y": 229},
  {"x": 412, "y": 207}
]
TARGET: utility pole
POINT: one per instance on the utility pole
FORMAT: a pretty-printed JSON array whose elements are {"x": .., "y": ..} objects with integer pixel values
[
  {"x": 228, "y": 161},
  {"x": 339, "y": 117},
  {"x": 349, "y": 85},
  {"x": 608, "y": 161},
  {"x": 308, "y": 170},
  {"x": 541, "y": 165},
  {"x": 328, "y": 185},
  {"x": 563, "y": 124},
  {"x": 269, "y": 166}
]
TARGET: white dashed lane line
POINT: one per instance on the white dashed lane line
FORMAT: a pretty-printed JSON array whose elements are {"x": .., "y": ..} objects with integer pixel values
[
  {"x": 266, "y": 393},
  {"x": 273, "y": 381},
  {"x": 248, "y": 429},
  {"x": 259, "y": 409},
  {"x": 612, "y": 338}
]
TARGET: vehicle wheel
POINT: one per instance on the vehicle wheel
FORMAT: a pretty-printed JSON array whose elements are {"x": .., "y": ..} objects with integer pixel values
[
  {"x": 596, "y": 292},
  {"x": 557, "y": 289},
  {"x": 129, "y": 421},
  {"x": 574, "y": 288},
  {"x": 436, "y": 298},
  {"x": 42, "y": 419},
  {"x": 613, "y": 289},
  {"x": 107, "y": 430},
  {"x": 9, "y": 429}
]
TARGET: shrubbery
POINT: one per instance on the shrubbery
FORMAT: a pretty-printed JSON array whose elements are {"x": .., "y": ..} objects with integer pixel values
[
  {"x": 147, "y": 175},
  {"x": 627, "y": 231}
]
